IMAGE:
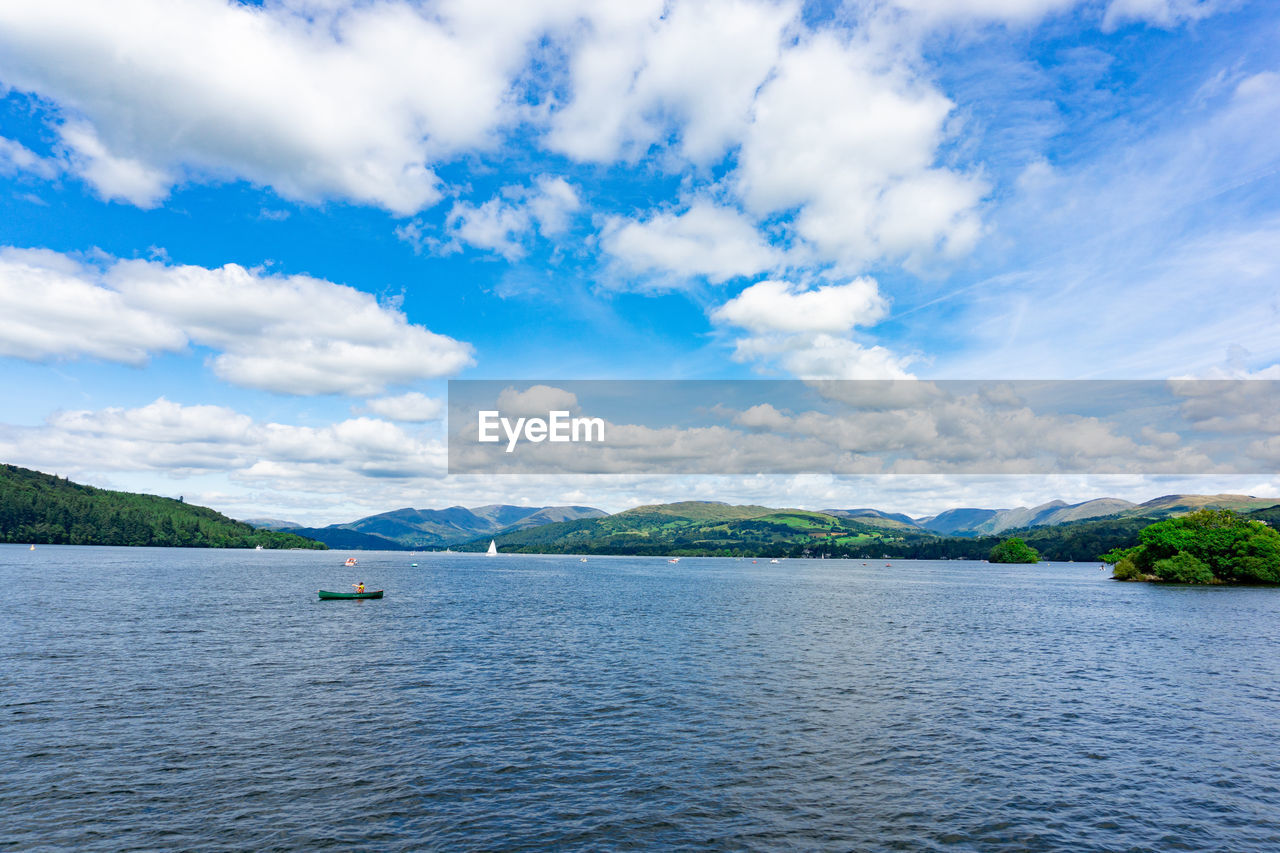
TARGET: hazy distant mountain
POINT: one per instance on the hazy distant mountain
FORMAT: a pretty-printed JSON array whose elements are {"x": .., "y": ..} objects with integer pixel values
[
  {"x": 347, "y": 540},
  {"x": 437, "y": 528},
  {"x": 987, "y": 522},
  {"x": 876, "y": 517},
  {"x": 270, "y": 523},
  {"x": 1052, "y": 513},
  {"x": 959, "y": 522},
  {"x": 1167, "y": 505}
]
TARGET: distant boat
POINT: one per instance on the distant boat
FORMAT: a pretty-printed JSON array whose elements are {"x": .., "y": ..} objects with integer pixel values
[
  {"x": 325, "y": 595},
  {"x": 583, "y": 560},
  {"x": 674, "y": 560},
  {"x": 493, "y": 548},
  {"x": 773, "y": 561},
  {"x": 32, "y": 548},
  {"x": 351, "y": 561},
  {"x": 258, "y": 548}
]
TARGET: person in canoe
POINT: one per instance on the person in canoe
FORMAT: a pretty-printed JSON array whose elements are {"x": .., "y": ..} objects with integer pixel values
[{"x": 359, "y": 586}]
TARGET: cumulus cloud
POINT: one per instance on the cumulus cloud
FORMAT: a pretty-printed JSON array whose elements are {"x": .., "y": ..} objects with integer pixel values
[
  {"x": 288, "y": 334},
  {"x": 779, "y": 306},
  {"x": 54, "y": 306},
  {"x": 706, "y": 240},
  {"x": 363, "y": 102},
  {"x": 413, "y": 407},
  {"x": 536, "y": 400},
  {"x": 824, "y": 356},
  {"x": 873, "y": 427},
  {"x": 190, "y": 440},
  {"x": 868, "y": 185},
  {"x": 317, "y": 102},
  {"x": 504, "y": 223},
  {"x": 643, "y": 72},
  {"x": 807, "y": 331}
]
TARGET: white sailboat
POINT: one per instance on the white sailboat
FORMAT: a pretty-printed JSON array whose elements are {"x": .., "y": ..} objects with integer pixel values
[{"x": 493, "y": 548}]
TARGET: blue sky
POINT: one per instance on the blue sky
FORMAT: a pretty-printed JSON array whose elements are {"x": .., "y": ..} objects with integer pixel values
[{"x": 246, "y": 245}]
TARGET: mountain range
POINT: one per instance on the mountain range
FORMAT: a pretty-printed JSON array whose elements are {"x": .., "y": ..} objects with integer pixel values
[
  {"x": 987, "y": 522},
  {"x": 697, "y": 528},
  {"x": 410, "y": 528}
]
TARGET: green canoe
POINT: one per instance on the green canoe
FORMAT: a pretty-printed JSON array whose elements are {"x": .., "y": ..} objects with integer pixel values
[{"x": 377, "y": 593}]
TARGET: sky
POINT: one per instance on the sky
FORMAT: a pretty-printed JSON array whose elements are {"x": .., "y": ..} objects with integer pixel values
[{"x": 243, "y": 247}]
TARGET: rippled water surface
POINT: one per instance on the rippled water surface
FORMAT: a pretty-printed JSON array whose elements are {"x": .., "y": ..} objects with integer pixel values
[{"x": 174, "y": 699}]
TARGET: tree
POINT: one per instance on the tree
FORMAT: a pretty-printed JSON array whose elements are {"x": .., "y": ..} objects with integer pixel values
[
  {"x": 1182, "y": 568},
  {"x": 1207, "y": 546},
  {"x": 1013, "y": 551}
]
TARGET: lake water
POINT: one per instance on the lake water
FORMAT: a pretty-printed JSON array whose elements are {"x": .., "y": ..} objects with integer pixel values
[{"x": 179, "y": 699}]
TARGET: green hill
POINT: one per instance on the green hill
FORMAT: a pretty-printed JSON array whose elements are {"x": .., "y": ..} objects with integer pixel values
[
  {"x": 1168, "y": 506},
  {"x": 697, "y": 528},
  {"x": 43, "y": 509},
  {"x": 714, "y": 529},
  {"x": 410, "y": 529}
]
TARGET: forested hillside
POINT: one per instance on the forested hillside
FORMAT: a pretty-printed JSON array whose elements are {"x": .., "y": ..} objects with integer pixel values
[{"x": 43, "y": 509}]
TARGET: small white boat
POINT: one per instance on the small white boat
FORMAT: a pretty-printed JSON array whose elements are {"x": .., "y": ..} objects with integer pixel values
[
  {"x": 32, "y": 548},
  {"x": 583, "y": 560},
  {"x": 493, "y": 548},
  {"x": 674, "y": 560}
]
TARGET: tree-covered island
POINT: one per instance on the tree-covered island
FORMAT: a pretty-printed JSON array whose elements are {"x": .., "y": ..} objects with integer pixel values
[
  {"x": 1013, "y": 551},
  {"x": 1206, "y": 547}
]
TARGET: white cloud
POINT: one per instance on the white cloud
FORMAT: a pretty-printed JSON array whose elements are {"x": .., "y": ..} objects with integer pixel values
[
  {"x": 852, "y": 146},
  {"x": 1161, "y": 13},
  {"x": 189, "y": 440},
  {"x": 503, "y": 223},
  {"x": 495, "y": 225},
  {"x": 289, "y": 334},
  {"x": 807, "y": 332},
  {"x": 353, "y": 102},
  {"x": 551, "y": 204},
  {"x": 823, "y": 356},
  {"x": 1019, "y": 11},
  {"x": 54, "y": 306},
  {"x": 413, "y": 407},
  {"x": 706, "y": 240},
  {"x": 114, "y": 177},
  {"x": 16, "y": 158},
  {"x": 536, "y": 400},
  {"x": 363, "y": 102},
  {"x": 779, "y": 306},
  {"x": 644, "y": 70}
]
